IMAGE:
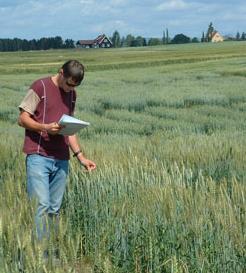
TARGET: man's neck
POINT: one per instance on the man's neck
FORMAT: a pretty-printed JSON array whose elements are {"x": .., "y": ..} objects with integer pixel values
[{"x": 55, "y": 79}]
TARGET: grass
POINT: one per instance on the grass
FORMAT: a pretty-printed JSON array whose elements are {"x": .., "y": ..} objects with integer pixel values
[{"x": 168, "y": 135}]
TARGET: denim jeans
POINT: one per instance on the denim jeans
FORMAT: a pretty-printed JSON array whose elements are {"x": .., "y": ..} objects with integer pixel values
[{"x": 46, "y": 182}]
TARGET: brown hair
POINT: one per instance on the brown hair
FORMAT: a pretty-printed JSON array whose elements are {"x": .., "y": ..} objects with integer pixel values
[{"x": 73, "y": 69}]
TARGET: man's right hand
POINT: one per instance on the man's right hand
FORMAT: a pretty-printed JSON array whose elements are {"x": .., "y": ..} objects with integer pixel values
[
  {"x": 25, "y": 120},
  {"x": 52, "y": 128}
]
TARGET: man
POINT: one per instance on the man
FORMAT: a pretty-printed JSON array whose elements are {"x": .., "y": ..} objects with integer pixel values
[{"x": 47, "y": 151}]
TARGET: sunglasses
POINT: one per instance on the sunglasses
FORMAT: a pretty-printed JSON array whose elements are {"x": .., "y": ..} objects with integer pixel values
[{"x": 72, "y": 85}]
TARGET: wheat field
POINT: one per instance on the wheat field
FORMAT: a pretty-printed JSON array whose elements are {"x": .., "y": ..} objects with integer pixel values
[{"x": 168, "y": 136}]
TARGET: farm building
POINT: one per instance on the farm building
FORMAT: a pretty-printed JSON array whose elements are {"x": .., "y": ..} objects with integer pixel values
[
  {"x": 101, "y": 41},
  {"x": 216, "y": 37}
]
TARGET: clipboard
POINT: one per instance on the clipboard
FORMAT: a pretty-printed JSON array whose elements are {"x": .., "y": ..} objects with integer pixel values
[{"x": 71, "y": 125}]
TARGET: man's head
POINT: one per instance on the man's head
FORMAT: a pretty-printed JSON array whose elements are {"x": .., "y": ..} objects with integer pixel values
[{"x": 71, "y": 74}]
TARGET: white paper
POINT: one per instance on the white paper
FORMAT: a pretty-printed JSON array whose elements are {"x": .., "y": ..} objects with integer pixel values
[{"x": 71, "y": 125}]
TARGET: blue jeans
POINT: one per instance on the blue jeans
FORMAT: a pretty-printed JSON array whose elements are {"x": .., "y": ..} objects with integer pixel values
[{"x": 46, "y": 183}]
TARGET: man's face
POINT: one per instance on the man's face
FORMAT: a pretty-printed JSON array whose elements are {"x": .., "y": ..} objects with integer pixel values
[{"x": 67, "y": 84}]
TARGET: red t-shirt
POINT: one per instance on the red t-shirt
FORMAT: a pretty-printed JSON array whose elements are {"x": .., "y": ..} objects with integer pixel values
[{"x": 54, "y": 102}]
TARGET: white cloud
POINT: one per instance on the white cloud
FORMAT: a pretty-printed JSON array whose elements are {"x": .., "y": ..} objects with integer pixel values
[
  {"x": 87, "y": 2},
  {"x": 110, "y": 26},
  {"x": 172, "y": 5},
  {"x": 104, "y": 2}
]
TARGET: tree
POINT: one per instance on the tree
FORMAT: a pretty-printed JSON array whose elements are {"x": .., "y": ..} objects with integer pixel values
[
  {"x": 180, "y": 39},
  {"x": 139, "y": 41},
  {"x": 238, "y": 36},
  {"x": 69, "y": 43},
  {"x": 129, "y": 40},
  {"x": 25, "y": 45},
  {"x": 56, "y": 42},
  {"x": 194, "y": 40},
  {"x": 210, "y": 31},
  {"x": 154, "y": 42},
  {"x": 144, "y": 42},
  {"x": 167, "y": 36},
  {"x": 1, "y": 45},
  {"x": 164, "y": 38},
  {"x": 17, "y": 44},
  {"x": 116, "y": 39},
  {"x": 122, "y": 41},
  {"x": 243, "y": 36},
  {"x": 203, "y": 37},
  {"x": 33, "y": 44}
]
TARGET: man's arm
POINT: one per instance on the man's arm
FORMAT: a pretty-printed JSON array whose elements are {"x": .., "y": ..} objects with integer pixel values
[
  {"x": 75, "y": 147},
  {"x": 25, "y": 120}
]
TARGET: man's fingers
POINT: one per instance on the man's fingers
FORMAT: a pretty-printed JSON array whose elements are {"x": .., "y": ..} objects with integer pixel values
[
  {"x": 56, "y": 126},
  {"x": 53, "y": 128},
  {"x": 92, "y": 167},
  {"x": 89, "y": 165}
]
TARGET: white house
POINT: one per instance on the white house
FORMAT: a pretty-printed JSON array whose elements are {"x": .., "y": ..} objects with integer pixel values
[{"x": 216, "y": 37}]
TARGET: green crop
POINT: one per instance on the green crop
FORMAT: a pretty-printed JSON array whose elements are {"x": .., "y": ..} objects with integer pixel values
[{"x": 168, "y": 136}]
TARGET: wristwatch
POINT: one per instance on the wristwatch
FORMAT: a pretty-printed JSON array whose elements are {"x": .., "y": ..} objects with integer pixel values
[{"x": 77, "y": 153}]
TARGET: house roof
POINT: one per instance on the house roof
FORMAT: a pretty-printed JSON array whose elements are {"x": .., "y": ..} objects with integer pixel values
[
  {"x": 86, "y": 42},
  {"x": 215, "y": 33},
  {"x": 98, "y": 40}
]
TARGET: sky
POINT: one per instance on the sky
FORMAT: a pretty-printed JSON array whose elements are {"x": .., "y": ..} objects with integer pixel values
[{"x": 86, "y": 19}]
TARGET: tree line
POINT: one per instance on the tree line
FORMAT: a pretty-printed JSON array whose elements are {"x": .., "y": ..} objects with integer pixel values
[
  {"x": 181, "y": 38},
  {"x": 129, "y": 40},
  {"x": 17, "y": 44}
]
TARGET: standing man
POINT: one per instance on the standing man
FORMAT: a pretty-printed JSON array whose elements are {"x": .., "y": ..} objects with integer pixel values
[{"x": 47, "y": 152}]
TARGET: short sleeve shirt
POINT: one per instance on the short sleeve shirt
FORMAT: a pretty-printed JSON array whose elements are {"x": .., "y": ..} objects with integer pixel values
[{"x": 47, "y": 103}]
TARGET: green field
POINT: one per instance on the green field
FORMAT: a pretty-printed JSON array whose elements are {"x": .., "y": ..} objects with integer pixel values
[{"x": 167, "y": 132}]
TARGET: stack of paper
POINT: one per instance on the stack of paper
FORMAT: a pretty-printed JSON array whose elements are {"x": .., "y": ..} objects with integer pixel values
[{"x": 71, "y": 125}]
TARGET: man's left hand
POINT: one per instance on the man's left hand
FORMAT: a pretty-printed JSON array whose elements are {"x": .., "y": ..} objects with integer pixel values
[{"x": 88, "y": 164}]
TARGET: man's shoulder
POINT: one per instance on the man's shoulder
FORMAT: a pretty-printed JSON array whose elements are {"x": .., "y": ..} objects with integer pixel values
[{"x": 39, "y": 83}]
